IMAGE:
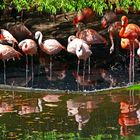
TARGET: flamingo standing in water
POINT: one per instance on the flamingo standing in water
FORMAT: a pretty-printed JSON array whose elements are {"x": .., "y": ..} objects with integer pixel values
[
  {"x": 29, "y": 47},
  {"x": 49, "y": 46},
  {"x": 131, "y": 32},
  {"x": 6, "y": 53},
  {"x": 92, "y": 38},
  {"x": 80, "y": 48}
]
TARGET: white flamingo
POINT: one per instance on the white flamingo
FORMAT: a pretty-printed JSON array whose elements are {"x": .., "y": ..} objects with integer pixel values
[{"x": 80, "y": 48}]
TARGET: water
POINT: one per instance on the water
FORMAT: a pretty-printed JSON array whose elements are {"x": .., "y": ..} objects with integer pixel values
[{"x": 110, "y": 115}]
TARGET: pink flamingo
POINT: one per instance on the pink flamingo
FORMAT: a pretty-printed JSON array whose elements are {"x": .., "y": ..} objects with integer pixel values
[
  {"x": 6, "y": 53},
  {"x": 29, "y": 47},
  {"x": 49, "y": 46},
  {"x": 4, "y": 34},
  {"x": 131, "y": 32},
  {"x": 85, "y": 15}
]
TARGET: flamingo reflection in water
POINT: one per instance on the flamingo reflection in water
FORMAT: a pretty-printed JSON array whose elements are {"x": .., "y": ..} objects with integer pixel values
[
  {"x": 59, "y": 68},
  {"x": 81, "y": 107},
  {"x": 129, "y": 115},
  {"x": 94, "y": 79},
  {"x": 30, "y": 106}
]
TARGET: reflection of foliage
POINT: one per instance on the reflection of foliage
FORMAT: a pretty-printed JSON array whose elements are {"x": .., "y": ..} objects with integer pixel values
[{"x": 54, "y": 6}]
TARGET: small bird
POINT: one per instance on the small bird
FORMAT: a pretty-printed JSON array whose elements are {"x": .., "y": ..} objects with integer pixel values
[
  {"x": 6, "y": 53},
  {"x": 29, "y": 47},
  {"x": 131, "y": 32},
  {"x": 49, "y": 46}
]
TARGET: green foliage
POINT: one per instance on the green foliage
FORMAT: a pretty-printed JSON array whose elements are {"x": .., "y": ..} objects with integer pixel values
[
  {"x": 99, "y": 6},
  {"x": 20, "y": 4},
  {"x": 55, "y": 6},
  {"x": 2, "y": 5}
]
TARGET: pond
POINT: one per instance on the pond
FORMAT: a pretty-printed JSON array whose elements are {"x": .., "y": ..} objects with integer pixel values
[
  {"x": 58, "y": 103},
  {"x": 108, "y": 115}
]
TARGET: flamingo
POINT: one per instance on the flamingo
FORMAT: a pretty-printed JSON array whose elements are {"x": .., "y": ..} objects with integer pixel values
[
  {"x": 110, "y": 20},
  {"x": 49, "y": 46},
  {"x": 7, "y": 52},
  {"x": 4, "y": 34},
  {"x": 84, "y": 16},
  {"x": 131, "y": 32},
  {"x": 29, "y": 47},
  {"x": 80, "y": 48},
  {"x": 92, "y": 38},
  {"x": 20, "y": 31}
]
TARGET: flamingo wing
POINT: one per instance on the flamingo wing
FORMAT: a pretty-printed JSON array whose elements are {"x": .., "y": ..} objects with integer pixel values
[{"x": 51, "y": 46}]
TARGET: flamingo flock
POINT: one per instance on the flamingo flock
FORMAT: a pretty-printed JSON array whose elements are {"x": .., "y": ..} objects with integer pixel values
[{"x": 79, "y": 44}]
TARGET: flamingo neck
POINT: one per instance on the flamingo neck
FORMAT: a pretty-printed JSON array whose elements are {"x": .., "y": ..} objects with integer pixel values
[
  {"x": 40, "y": 39},
  {"x": 121, "y": 33}
]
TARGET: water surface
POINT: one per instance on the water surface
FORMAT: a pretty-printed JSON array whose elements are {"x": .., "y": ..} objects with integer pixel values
[{"x": 110, "y": 115}]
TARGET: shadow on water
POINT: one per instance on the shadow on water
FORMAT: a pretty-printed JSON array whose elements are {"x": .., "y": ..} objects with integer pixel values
[{"x": 107, "y": 115}]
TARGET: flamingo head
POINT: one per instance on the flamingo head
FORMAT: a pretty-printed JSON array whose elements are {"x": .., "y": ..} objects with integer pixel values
[
  {"x": 22, "y": 45},
  {"x": 71, "y": 38},
  {"x": 124, "y": 21}
]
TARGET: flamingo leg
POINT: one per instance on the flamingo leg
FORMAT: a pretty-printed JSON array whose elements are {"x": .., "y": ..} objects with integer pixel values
[
  {"x": 84, "y": 70},
  {"x": 26, "y": 70},
  {"x": 78, "y": 63},
  {"x": 50, "y": 67},
  {"x": 32, "y": 65},
  {"x": 4, "y": 65},
  {"x": 130, "y": 66},
  {"x": 89, "y": 69},
  {"x": 133, "y": 64}
]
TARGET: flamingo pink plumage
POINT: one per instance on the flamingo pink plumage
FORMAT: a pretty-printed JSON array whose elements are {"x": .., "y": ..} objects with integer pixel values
[
  {"x": 6, "y": 53},
  {"x": 131, "y": 32},
  {"x": 4, "y": 34},
  {"x": 29, "y": 47},
  {"x": 49, "y": 46}
]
